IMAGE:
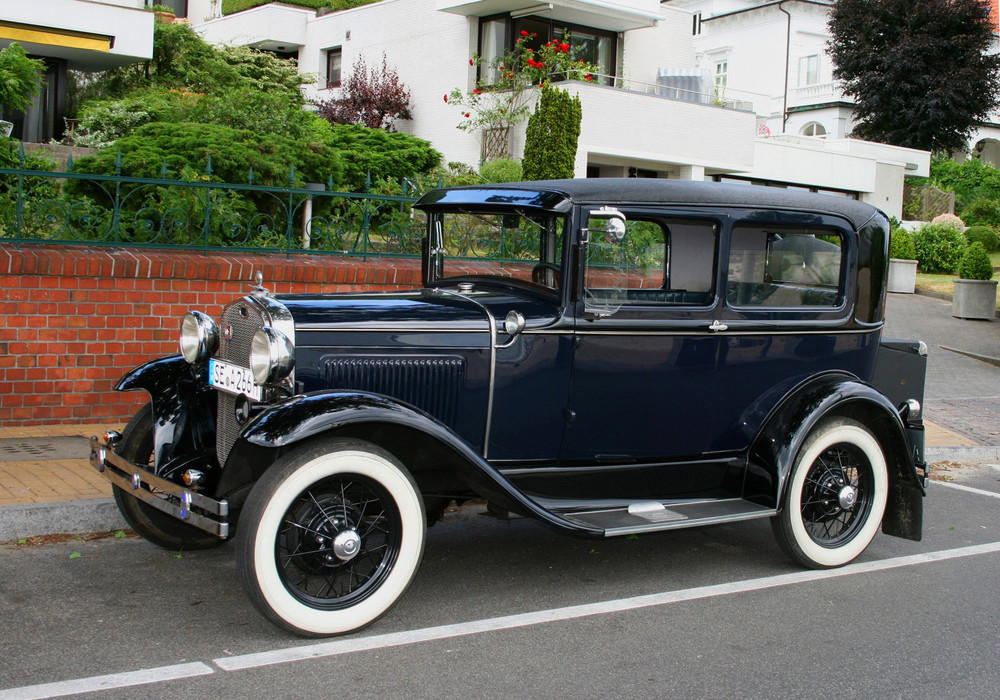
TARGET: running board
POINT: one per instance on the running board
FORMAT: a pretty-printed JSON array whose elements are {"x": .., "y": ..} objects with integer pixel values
[{"x": 652, "y": 516}]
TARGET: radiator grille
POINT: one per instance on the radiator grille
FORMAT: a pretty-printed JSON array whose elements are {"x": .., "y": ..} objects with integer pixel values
[
  {"x": 244, "y": 319},
  {"x": 432, "y": 384}
]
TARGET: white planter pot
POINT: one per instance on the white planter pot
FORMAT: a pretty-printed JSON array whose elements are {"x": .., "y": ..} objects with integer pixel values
[
  {"x": 902, "y": 275},
  {"x": 974, "y": 299}
]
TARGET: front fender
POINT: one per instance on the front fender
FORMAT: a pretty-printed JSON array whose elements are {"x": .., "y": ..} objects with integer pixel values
[
  {"x": 303, "y": 418},
  {"x": 773, "y": 453},
  {"x": 183, "y": 412}
]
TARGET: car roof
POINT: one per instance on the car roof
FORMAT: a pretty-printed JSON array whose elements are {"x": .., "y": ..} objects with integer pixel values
[{"x": 561, "y": 195}]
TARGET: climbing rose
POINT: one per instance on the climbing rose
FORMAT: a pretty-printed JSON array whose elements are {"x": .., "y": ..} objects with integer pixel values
[
  {"x": 446, "y": 98},
  {"x": 471, "y": 62}
]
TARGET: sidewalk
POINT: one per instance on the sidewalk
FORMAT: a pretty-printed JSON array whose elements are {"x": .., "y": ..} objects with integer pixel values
[{"x": 47, "y": 485}]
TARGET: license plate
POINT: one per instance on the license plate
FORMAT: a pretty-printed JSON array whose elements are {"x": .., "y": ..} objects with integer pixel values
[{"x": 233, "y": 379}]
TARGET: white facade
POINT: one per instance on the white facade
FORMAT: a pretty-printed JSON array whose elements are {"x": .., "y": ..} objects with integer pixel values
[{"x": 643, "y": 124}]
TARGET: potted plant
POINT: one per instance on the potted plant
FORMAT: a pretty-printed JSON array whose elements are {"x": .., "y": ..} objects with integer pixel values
[
  {"x": 902, "y": 262},
  {"x": 976, "y": 291}
]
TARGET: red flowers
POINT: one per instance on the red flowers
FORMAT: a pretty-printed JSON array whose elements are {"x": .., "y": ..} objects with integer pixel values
[
  {"x": 476, "y": 91},
  {"x": 471, "y": 62},
  {"x": 564, "y": 48},
  {"x": 467, "y": 115},
  {"x": 531, "y": 62},
  {"x": 446, "y": 98},
  {"x": 524, "y": 33}
]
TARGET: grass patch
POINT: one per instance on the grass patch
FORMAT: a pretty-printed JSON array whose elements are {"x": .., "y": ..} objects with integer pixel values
[{"x": 942, "y": 284}]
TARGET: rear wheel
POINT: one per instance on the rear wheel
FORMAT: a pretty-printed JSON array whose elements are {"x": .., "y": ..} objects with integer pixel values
[
  {"x": 836, "y": 496},
  {"x": 136, "y": 446},
  {"x": 330, "y": 537}
]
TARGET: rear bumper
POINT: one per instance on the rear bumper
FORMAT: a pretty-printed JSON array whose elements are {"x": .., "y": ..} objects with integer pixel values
[{"x": 185, "y": 505}]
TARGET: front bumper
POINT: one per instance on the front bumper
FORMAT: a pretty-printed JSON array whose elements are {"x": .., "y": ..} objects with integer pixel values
[{"x": 190, "y": 507}]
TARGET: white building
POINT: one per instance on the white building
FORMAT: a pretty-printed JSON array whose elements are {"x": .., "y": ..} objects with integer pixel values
[
  {"x": 71, "y": 35},
  {"x": 685, "y": 100}
]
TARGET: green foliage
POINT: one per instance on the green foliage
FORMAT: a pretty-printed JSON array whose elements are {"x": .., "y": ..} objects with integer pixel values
[
  {"x": 922, "y": 73},
  {"x": 982, "y": 212},
  {"x": 233, "y": 153},
  {"x": 970, "y": 180},
  {"x": 975, "y": 264},
  {"x": 986, "y": 235},
  {"x": 19, "y": 77},
  {"x": 551, "y": 139},
  {"x": 939, "y": 248},
  {"x": 901, "y": 245},
  {"x": 383, "y": 154},
  {"x": 501, "y": 170},
  {"x": 231, "y": 6}
]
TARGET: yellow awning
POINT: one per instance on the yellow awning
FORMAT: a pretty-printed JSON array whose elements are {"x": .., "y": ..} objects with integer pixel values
[{"x": 24, "y": 33}]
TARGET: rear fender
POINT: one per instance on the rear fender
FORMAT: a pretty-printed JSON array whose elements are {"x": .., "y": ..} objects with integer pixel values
[
  {"x": 773, "y": 452},
  {"x": 305, "y": 418},
  {"x": 183, "y": 413}
]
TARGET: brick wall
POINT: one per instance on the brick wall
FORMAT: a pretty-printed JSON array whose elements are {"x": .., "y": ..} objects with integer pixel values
[{"x": 74, "y": 320}]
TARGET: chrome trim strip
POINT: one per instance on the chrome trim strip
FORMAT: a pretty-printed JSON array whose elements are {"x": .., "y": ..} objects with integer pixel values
[
  {"x": 543, "y": 331},
  {"x": 491, "y": 319},
  {"x": 140, "y": 483}
]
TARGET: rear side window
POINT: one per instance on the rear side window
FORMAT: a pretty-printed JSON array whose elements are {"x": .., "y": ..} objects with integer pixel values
[
  {"x": 660, "y": 261},
  {"x": 785, "y": 267}
]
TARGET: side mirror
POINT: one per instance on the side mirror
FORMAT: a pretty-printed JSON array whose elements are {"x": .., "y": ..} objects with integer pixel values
[{"x": 613, "y": 230}]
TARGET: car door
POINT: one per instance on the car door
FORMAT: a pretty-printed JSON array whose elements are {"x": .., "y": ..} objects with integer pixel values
[{"x": 644, "y": 393}]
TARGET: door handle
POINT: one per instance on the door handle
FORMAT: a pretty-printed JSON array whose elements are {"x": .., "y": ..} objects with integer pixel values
[{"x": 717, "y": 326}]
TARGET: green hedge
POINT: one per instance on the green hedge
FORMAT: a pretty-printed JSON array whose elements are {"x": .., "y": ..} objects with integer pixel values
[{"x": 231, "y": 6}]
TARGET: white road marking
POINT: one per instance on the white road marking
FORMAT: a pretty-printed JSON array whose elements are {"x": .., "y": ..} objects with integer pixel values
[
  {"x": 381, "y": 641},
  {"x": 113, "y": 680},
  {"x": 395, "y": 639},
  {"x": 960, "y": 487}
]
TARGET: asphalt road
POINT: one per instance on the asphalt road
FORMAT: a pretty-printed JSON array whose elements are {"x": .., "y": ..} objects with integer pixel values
[{"x": 724, "y": 615}]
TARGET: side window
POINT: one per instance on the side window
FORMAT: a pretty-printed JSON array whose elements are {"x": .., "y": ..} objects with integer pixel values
[
  {"x": 334, "y": 57},
  {"x": 660, "y": 262},
  {"x": 780, "y": 267}
]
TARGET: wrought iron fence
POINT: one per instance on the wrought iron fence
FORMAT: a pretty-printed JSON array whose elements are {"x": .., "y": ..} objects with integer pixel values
[{"x": 40, "y": 206}]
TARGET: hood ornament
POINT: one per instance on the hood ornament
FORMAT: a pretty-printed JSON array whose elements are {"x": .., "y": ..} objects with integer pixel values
[{"x": 259, "y": 290}]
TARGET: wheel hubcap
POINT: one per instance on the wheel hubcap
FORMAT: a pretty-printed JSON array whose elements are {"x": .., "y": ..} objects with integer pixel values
[
  {"x": 848, "y": 497},
  {"x": 346, "y": 545}
]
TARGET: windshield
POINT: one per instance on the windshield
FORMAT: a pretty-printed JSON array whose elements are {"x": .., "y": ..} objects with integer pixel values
[{"x": 516, "y": 246}]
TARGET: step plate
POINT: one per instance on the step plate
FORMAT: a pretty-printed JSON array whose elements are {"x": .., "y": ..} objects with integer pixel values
[{"x": 619, "y": 521}]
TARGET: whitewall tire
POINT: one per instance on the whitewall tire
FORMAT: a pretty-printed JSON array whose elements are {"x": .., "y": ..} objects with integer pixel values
[
  {"x": 330, "y": 537},
  {"x": 836, "y": 496}
]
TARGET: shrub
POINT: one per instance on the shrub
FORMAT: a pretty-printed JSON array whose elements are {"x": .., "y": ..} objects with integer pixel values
[
  {"x": 949, "y": 220},
  {"x": 375, "y": 98},
  {"x": 501, "y": 170},
  {"x": 975, "y": 264},
  {"x": 939, "y": 247},
  {"x": 901, "y": 245},
  {"x": 983, "y": 212},
  {"x": 552, "y": 135},
  {"x": 986, "y": 235}
]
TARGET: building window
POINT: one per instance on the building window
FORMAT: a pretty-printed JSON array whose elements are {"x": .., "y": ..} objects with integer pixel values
[
  {"x": 497, "y": 35},
  {"x": 814, "y": 129},
  {"x": 178, "y": 7},
  {"x": 696, "y": 23},
  {"x": 808, "y": 70},
  {"x": 721, "y": 76},
  {"x": 334, "y": 57}
]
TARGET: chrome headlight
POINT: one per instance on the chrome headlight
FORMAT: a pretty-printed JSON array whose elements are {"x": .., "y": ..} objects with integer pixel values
[
  {"x": 272, "y": 356},
  {"x": 199, "y": 336}
]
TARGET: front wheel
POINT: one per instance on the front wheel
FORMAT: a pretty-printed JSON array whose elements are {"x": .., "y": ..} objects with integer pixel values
[
  {"x": 836, "y": 496},
  {"x": 330, "y": 537}
]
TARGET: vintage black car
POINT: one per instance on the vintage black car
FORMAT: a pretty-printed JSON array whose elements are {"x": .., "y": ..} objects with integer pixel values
[{"x": 611, "y": 357}]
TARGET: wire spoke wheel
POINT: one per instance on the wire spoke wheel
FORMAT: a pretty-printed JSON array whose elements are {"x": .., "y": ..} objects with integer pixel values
[
  {"x": 338, "y": 541},
  {"x": 330, "y": 537},
  {"x": 835, "y": 495}
]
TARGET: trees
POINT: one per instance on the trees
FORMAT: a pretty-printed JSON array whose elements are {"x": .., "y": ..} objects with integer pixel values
[
  {"x": 918, "y": 70},
  {"x": 375, "y": 99},
  {"x": 551, "y": 139},
  {"x": 19, "y": 77}
]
